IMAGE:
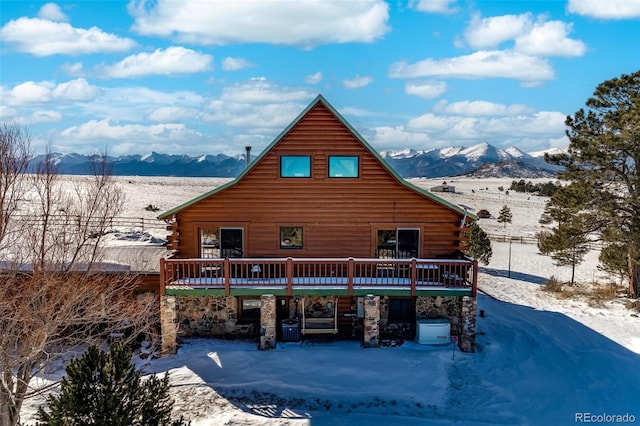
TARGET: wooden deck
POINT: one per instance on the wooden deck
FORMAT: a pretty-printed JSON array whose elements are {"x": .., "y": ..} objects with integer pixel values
[{"x": 306, "y": 276}]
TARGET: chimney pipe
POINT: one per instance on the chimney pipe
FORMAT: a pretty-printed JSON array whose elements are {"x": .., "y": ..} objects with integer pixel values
[{"x": 248, "y": 154}]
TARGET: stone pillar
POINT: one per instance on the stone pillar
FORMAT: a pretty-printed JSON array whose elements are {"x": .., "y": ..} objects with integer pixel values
[
  {"x": 169, "y": 324},
  {"x": 371, "y": 321},
  {"x": 267, "y": 322},
  {"x": 468, "y": 324}
]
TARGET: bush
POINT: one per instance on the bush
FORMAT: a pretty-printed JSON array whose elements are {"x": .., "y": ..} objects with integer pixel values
[
  {"x": 553, "y": 285},
  {"x": 105, "y": 389},
  {"x": 484, "y": 214}
]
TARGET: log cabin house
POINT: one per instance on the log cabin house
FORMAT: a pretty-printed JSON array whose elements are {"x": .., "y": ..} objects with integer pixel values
[{"x": 318, "y": 235}]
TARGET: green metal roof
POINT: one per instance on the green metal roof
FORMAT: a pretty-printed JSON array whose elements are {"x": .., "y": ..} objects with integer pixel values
[{"x": 382, "y": 161}]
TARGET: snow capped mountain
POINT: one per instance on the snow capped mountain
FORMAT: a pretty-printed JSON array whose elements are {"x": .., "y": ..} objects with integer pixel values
[
  {"x": 454, "y": 161},
  {"x": 407, "y": 162}
]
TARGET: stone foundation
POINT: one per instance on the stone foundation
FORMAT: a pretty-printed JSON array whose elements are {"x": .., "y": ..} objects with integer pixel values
[
  {"x": 218, "y": 316},
  {"x": 212, "y": 316}
]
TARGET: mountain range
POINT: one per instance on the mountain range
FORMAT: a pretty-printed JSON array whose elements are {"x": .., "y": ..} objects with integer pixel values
[{"x": 483, "y": 160}]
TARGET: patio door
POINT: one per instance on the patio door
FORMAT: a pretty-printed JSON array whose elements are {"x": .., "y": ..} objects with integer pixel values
[
  {"x": 231, "y": 242},
  {"x": 400, "y": 243}
]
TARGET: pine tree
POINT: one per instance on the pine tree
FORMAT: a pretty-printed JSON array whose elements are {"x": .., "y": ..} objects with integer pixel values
[
  {"x": 568, "y": 242},
  {"x": 479, "y": 245},
  {"x": 105, "y": 389},
  {"x": 505, "y": 216},
  {"x": 602, "y": 167}
]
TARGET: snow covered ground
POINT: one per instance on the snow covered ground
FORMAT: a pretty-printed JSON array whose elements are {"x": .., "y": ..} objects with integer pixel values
[{"x": 539, "y": 360}]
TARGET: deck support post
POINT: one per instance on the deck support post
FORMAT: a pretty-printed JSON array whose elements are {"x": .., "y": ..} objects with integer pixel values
[
  {"x": 467, "y": 341},
  {"x": 371, "y": 321},
  {"x": 168, "y": 325},
  {"x": 267, "y": 322}
]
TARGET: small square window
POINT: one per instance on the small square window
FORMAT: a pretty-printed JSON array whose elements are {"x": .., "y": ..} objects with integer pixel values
[
  {"x": 344, "y": 166},
  {"x": 250, "y": 309},
  {"x": 295, "y": 166},
  {"x": 291, "y": 237}
]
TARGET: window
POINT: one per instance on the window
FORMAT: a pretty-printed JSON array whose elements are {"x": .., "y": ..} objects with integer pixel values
[
  {"x": 250, "y": 309},
  {"x": 291, "y": 237},
  {"x": 344, "y": 166},
  {"x": 295, "y": 166},
  {"x": 209, "y": 244}
]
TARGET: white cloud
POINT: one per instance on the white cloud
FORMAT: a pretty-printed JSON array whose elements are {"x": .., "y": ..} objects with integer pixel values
[
  {"x": 540, "y": 126},
  {"x": 257, "y": 107},
  {"x": 304, "y": 23},
  {"x": 611, "y": 9},
  {"x": 170, "y": 61},
  {"x": 39, "y": 93},
  {"x": 35, "y": 117},
  {"x": 538, "y": 38},
  {"x": 550, "y": 39},
  {"x": 481, "y": 108},
  {"x": 43, "y": 37},
  {"x": 436, "y": 6},
  {"x": 52, "y": 12},
  {"x": 313, "y": 78},
  {"x": 95, "y": 131},
  {"x": 398, "y": 137},
  {"x": 235, "y": 64},
  {"x": 171, "y": 114},
  {"x": 75, "y": 68},
  {"x": 426, "y": 90},
  {"x": 490, "y": 32},
  {"x": 481, "y": 64},
  {"x": 75, "y": 90},
  {"x": 357, "y": 82},
  {"x": 29, "y": 93},
  {"x": 261, "y": 91}
]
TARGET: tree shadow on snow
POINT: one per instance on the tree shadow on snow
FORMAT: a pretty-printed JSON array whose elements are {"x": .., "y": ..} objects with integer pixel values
[{"x": 519, "y": 276}]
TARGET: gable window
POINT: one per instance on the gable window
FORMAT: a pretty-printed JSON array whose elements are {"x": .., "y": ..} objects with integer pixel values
[
  {"x": 290, "y": 237},
  {"x": 295, "y": 166},
  {"x": 343, "y": 166}
]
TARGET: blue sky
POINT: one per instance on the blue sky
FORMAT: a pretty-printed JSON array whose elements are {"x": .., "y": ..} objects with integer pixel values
[{"x": 207, "y": 77}]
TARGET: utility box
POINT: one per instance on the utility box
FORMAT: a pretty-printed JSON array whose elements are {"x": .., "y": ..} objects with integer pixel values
[
  {"x": 433, "y": 331},
  {"x": 290, "y": 330}
]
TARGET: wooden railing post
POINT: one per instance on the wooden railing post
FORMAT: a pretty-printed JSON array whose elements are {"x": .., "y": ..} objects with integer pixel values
[
  {"x": 226, "y": 268},
  {"x": 350, "y": 270},
  {"x": 289, "y": 272},
  {"x": 163, "y": 278},
  {"x": 414, "y": 276}
]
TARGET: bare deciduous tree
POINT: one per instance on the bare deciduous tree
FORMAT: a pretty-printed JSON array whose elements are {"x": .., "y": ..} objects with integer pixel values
[{"x": 55, "y": 293}]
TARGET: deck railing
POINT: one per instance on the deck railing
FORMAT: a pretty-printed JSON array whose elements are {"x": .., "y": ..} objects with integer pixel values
[{"x": 318, "y": 273}]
